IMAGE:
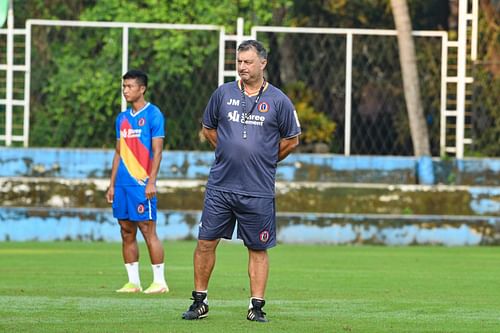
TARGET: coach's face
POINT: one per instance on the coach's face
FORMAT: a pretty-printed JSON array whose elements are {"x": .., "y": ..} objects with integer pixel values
[
  {"x": 250, "y": 66},
  {"x": 132, "y": 90}
]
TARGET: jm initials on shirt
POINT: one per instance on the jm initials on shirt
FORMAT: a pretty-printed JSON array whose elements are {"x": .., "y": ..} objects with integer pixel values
[{"x": 235, "y": 102}]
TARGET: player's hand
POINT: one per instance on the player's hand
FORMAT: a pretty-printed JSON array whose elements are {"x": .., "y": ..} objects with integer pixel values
[
  {"x": 150, "y": 191},
  {"x": 110, "y": 194}
]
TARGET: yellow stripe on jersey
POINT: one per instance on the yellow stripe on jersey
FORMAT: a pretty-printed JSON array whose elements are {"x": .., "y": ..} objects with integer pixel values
[{"x": 131, "y": 163}]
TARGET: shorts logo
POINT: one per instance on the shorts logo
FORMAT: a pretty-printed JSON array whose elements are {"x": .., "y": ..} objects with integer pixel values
[
  {"x": 264, "y": 236},
  {"x": 263, "y": 107},
  {"x": 141, "y": 122},
  {"x": 140, "y": 209}
]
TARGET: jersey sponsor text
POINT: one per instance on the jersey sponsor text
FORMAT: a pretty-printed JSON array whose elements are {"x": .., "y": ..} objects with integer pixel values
[{"x": 251, "y": 119}]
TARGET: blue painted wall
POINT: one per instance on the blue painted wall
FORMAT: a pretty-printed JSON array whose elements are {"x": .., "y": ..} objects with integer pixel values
[
  {"x": 40, "y": 223},
  {"x": 96, "y": 163},
  {"x": 24, "y": 224}
]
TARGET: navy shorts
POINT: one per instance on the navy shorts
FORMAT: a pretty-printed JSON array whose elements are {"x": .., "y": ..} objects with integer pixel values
[
  {"x": 256, "y": 219},
  {"x": 130, "y": 203}
]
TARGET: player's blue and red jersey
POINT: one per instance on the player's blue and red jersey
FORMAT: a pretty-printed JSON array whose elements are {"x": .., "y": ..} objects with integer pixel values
[
  {"x": 247, "y": 166},
  {"x": 136, "y": 132}
]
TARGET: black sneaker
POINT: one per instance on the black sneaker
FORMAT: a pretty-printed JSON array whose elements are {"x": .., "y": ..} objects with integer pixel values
[
  {"x": 256, "y": 313},
  {"x": 198, "y": 309}
]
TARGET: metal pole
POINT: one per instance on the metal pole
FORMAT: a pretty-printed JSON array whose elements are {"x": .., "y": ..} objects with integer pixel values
[
  {"x": 124, "y": 61},
  {"x": 473, "y": 37},
  {"x": 27, "y": 82},
  {"x": 461, "y": 63},
  {"x": 239, "y": 39},
  {"x": 9, "y": 74},
  {"x": 444, "y": 69},
  {"x": 222, "y": 51},
  {"x": 240, "y": 26},
  {"x": 348, "y": 88}
]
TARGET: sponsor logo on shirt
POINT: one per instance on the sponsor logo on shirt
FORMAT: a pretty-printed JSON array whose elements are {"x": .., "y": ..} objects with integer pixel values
[
  {"x": 252, "y": 119},
  {"x": 131, "y": 133}
]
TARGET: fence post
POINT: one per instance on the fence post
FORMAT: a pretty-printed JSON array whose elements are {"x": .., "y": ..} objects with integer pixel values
[
  {"x": 9, "y": 74},
  {"x": 461, "y": 63},
  {"x": 348, "y": 93},
  {"x": 124, "y": 60}
]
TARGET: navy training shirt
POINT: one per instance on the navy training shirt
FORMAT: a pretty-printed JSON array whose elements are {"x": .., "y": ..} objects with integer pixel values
[{"x": 248, "y": 166}]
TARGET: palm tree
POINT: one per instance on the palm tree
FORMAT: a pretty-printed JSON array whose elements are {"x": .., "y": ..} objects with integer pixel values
[{"x": 407, "y": 58}]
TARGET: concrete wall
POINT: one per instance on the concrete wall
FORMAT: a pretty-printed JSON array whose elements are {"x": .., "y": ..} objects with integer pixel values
[
  {"x": 57, "y": 194},
  {"x": 42, "y": 224},
  {"x": 96, "y": 163}
]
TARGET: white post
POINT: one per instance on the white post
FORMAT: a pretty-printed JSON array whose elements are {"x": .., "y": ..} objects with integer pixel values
[
  {"x": 9, "y": 74},
  {"x": 461, "y": 74},
  {"x": 124, "y": 61},
  {"x": 240, "y": 27},
  {"x": 348, "y": 97},
  {"x": 27, "y": 83},
  {"x": 222, "y": 52},
  {"x": 444, "y": 70},
  {"x": 473, "y": 37}
]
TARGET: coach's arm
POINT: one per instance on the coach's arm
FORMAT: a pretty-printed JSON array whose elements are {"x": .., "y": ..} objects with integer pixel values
[
  {"x": 211, "y": 135},
  {"x": 287, "y": 145}
]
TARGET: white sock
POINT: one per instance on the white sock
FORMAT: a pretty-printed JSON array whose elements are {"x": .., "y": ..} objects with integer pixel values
[
  {"x": 133, "y": 273},
  {"x": 158, "y": 273},
  {"x": 206, "y": 297},
  {"x": 250, "y": 306}
]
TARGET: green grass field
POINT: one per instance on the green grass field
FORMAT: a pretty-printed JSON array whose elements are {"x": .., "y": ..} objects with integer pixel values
[{"x": 69, "y": 287}]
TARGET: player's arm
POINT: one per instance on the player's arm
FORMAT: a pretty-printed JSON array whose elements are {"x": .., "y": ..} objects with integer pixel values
[
  {"x": 287, "y": 145},
  {"x": 116, "y": 161},
  {"x": 211, "y": 135},
  {"x": 157, "y": 146}
]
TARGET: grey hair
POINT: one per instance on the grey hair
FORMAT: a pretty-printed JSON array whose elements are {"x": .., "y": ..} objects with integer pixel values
[{"x": 253, "y": 44}]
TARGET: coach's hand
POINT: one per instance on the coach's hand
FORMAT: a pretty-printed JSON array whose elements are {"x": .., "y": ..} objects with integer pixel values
[{"x": 150, "y": 191}]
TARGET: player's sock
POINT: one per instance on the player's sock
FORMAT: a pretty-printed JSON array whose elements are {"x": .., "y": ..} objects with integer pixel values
[
  {"x": 205, "y": 300},
  {"x": 159, "y": 273},
  {"x": 255, "y": 312},
  {"x": 133, "y": 273},
  {"x": 250, "y": 306},
  {"x": 199, "y": 308}
]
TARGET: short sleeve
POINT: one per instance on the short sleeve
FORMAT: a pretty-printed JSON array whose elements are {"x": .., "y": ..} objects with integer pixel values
[
  {"x": 211, "y": 114},
  {"x": 117, "y": 127},
  {"x": 158, "y": 124},
  {"x": 288, "y": 121}
]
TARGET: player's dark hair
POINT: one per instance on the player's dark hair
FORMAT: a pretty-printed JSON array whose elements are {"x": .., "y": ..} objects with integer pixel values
[
  {"x": 253, "y": 44},
  {"x": 139, "y": 76}
]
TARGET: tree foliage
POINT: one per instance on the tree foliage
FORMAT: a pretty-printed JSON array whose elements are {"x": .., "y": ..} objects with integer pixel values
[
  {"x": 486, "y": 87},
  {"x": 78, "y": 70},
  {"x": 75, "y": 79},
  {"x": 316, "y": 126}
]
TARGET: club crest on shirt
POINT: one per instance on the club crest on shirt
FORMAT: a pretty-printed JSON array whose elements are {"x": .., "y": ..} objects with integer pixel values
[
  {"x": 140, "y": 209},
  {"x": 141, "y": 122},
  {"x": 263, "y": 107},
  {"x": 264, "y": 236}
]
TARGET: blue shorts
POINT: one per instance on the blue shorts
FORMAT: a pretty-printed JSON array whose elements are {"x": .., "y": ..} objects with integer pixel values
[
  {"x": 130, "y": 203},
  {"x": 256, "y": 219}
]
